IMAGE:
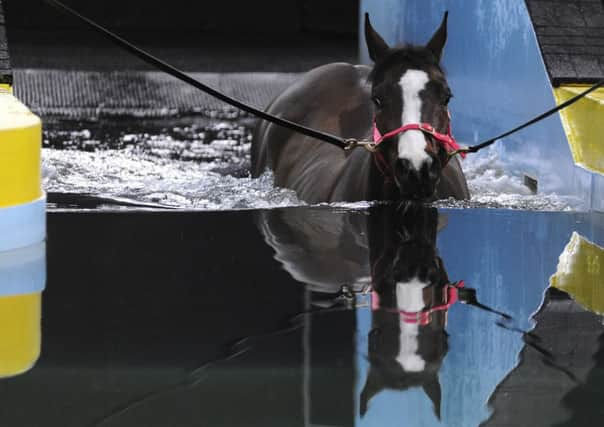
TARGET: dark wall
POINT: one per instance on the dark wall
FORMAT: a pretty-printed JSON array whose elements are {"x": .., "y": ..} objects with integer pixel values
[{"x": 283, "y": 17}]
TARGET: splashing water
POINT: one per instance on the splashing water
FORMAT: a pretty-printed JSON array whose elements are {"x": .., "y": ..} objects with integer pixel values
[
  {"x": 203, "y": 163},
  {"x": 127, "y": 175},
  {"x": 491, "y": 185}
]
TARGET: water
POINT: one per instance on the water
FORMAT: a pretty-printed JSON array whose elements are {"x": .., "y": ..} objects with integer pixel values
[
  {"x": 203, "y": 162},
  {"x": 196, "y": 164},
  {"x": 210, "y": 311},
  {"x": 265, "y": 317}
]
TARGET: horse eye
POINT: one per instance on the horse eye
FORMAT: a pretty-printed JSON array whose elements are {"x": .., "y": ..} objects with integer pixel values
[
  {"x": 447, "y": 98},
  {"x": 377, "y": 101}
]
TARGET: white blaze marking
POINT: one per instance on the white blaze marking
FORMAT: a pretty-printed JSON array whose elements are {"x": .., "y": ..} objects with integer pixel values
[
  {"x": 412, "y": 144},
  {"x": 410, "y": 297}
]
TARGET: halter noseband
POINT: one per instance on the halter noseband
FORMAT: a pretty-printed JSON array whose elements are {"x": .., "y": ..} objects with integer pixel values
[
  {"x": 422, "y": 317},
  {"x": 447, "y": 140}
]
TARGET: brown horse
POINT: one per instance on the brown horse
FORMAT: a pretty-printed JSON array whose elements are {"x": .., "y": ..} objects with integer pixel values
[{"x": 406, "y": 86}]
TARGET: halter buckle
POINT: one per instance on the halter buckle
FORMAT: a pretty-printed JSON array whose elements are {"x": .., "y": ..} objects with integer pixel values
[{"x": 426, "y": 127}]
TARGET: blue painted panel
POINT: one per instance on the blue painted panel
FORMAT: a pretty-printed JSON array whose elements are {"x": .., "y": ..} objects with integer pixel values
[{"x": 499, "y": 80}]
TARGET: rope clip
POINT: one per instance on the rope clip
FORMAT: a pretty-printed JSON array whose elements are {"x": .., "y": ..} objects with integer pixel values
[{"x": 353, "y": 143}]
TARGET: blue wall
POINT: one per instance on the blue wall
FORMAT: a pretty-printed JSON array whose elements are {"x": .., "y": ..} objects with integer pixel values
[{"x": 499, "y": 80}]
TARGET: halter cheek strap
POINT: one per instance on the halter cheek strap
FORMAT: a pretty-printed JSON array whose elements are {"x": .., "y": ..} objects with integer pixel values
[{"x": 422, "y": 317}]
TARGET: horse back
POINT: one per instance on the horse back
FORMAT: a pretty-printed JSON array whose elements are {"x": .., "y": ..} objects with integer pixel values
[{"x": 333, "y": 98}]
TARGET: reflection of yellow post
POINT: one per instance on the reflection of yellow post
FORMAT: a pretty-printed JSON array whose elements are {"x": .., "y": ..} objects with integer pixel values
[
  {"x": 19, "y": 333},
  {"x": 581, "y": 273},
  {"x": 22, "y": 279},
  {"x": 22, "y": 234}
]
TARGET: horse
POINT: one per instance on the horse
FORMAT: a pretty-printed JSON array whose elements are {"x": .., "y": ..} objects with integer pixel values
[
  {"x": 411, "y": 295},
  {"x": 406, "y": 86},
  {"x": 392, "y": 251}
]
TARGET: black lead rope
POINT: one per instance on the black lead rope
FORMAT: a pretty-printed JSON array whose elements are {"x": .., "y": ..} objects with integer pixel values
[
  {"x": 339, "y": 142},
  {"x": 173, "y": 71}
]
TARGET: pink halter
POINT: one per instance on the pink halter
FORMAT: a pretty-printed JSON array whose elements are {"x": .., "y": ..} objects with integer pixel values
[
  {"x": 448, "y": 141},
  {"x": 421, "y": 317}
]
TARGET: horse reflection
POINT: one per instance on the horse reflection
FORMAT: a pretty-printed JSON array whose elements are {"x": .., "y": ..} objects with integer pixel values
[
  {"x": 410, "y": 298},
  {"x": 394, "y": 249},
  {"x": 323, "y": 249}
]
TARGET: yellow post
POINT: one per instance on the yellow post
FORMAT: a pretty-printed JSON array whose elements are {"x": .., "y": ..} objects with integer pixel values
[
  {"x": 19, "y": 333},
  {"x": 20, "y": 151},
  {"x": 584, "y": 125},
  {"x": 22, "y": 234}
]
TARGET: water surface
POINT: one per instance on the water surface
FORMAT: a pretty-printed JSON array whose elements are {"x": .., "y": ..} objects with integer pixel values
[
  {"x": 202, "y": 162},
  {"x": 228, "y": 318}
]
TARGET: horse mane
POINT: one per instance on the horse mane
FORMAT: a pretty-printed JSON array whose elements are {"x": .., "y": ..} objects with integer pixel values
[{"x": 414, "y": 56}]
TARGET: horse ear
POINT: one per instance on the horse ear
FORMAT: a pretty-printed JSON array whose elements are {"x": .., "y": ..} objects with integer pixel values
[
  {"x": 375, "y": 43},
  {"x": 438, "y": 40},
  {"x": 432, "y": 389},
  {"x": 372, "y": 388}
]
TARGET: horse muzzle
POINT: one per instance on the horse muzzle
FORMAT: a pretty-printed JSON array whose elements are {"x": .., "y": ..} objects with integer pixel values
[{"x": 417, "y": 185}]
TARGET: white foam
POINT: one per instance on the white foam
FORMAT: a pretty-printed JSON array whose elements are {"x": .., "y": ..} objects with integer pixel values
[
  {"x": 492, "y": 185},
  {"x": 148, "y": 172},
  {"x": 127, "y": 175}
]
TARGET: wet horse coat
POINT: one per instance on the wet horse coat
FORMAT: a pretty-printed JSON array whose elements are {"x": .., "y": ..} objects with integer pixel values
[{"x": 337, "y": 98}]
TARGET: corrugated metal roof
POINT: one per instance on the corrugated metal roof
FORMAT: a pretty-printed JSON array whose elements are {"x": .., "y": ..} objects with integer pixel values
[
  {"x": 5, "y": 69},
  {"x": 571, "y": 36}
]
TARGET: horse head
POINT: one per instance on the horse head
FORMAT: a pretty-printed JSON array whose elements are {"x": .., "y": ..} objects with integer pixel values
[
  {"x": 411, "y": 295},
  {"x": 410, "y": 96}
]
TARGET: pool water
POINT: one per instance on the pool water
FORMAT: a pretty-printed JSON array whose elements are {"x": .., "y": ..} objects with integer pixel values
[
  {"x": 202, "y": 163},
  {"x": 264, "y": 317},
  {"x": 183, "y": 292}
]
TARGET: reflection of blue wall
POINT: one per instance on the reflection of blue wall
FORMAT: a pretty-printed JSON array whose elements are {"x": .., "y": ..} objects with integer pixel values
[
  {"x": 508, "y": 257},
  {"x": 499, "y": 80},
  {"x": 23, "y": 271}
]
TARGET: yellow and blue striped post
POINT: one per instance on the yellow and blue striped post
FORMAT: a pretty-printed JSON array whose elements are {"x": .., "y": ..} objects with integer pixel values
[{"x": 22, "y": 235}]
